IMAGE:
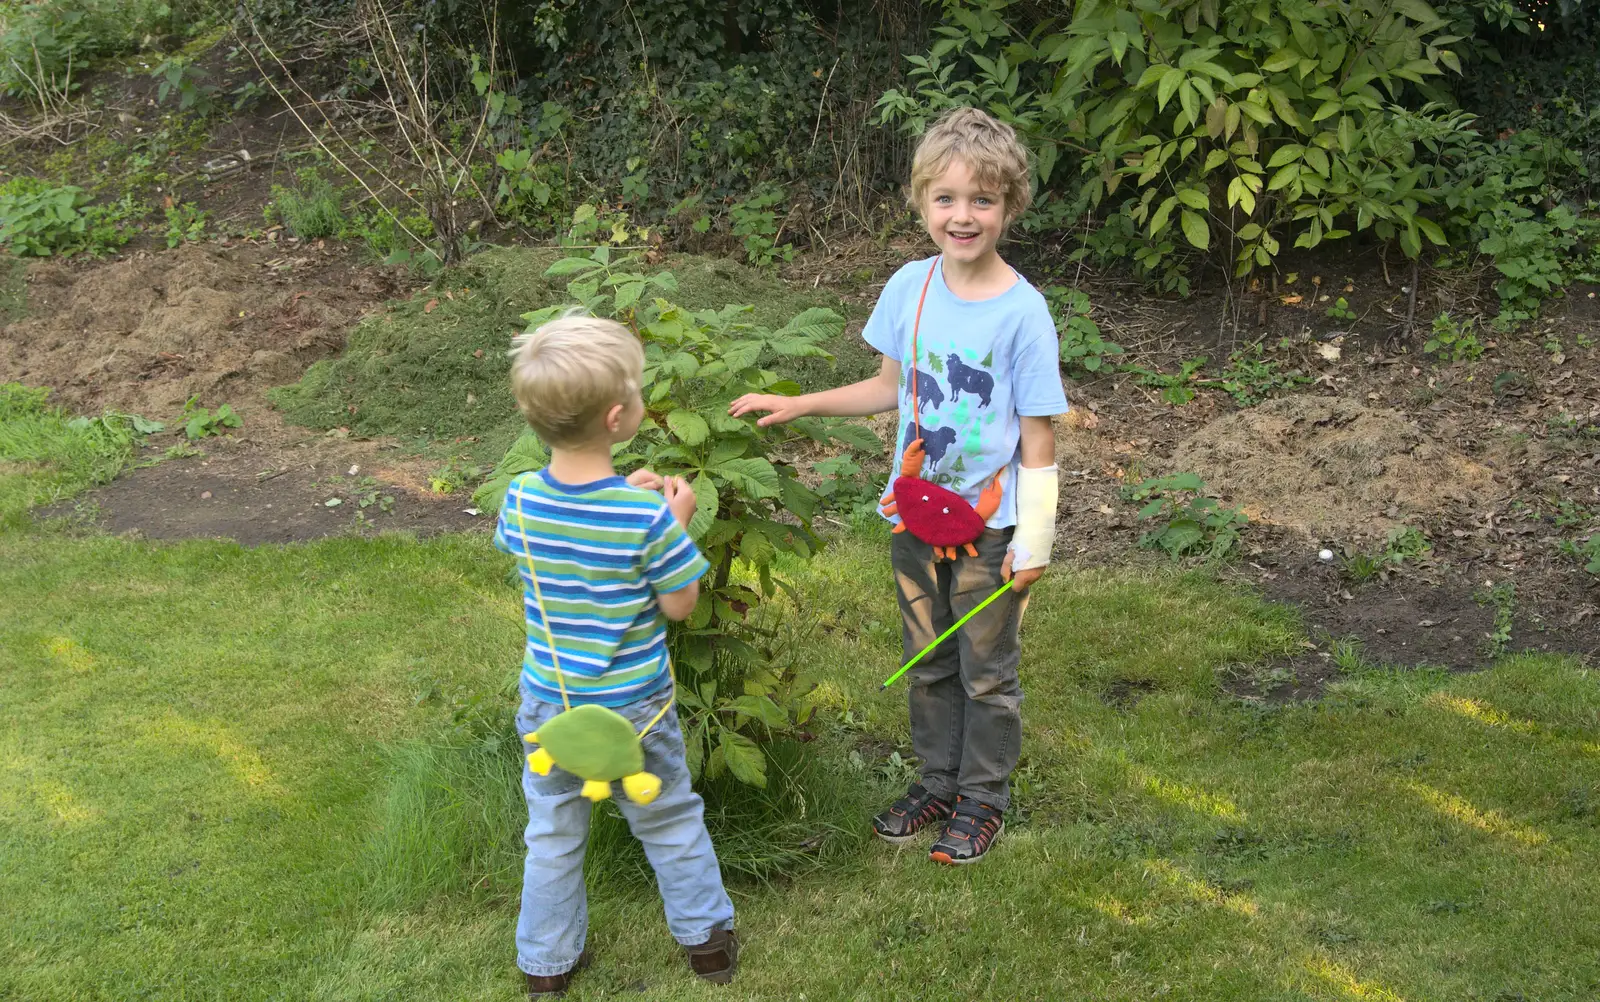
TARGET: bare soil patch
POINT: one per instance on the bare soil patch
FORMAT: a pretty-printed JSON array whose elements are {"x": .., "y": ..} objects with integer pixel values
[
  {"x": 1332, "y": 467},
  {"x": 267, "y": 487},
  {"x": 148, "y": 331}
]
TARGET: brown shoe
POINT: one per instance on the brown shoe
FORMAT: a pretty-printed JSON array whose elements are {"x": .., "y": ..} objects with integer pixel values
[
  {"x": 553, "y": 986},
  {"x": 717, "y": 958}
]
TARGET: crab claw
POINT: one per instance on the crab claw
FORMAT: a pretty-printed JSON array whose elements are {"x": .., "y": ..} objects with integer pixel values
[
  {"x": 989, "y": 500},
  {"x": 596, "y": 789},
  {"x": 911, "y": 462}
]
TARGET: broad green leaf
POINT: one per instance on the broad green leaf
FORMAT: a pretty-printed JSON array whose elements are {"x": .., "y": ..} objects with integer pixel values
[
  {"x": 1194, "y": 198},
  {"x": 571, "y": 266},
  {"x": 857, "y": 436},
  {"x": 1168, "y": 87},
  {"x": 1280, "y": 60},
  {"x": 689, "y": 428},
  {"x": 1195, "y": 229},
  {"x": 743, "y": 758},
  {"x": 706, "y": 503},
  {"x": 752, "y": 476},
  {"x": 1286, "y": 153},
  {"x": 761, "y": 708}
]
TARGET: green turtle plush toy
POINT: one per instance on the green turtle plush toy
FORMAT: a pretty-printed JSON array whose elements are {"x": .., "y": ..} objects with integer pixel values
[{"x": 599, "y": 746}]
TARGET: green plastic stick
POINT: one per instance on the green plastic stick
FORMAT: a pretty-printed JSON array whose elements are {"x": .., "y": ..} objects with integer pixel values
[{"x": 944, "y": 636}]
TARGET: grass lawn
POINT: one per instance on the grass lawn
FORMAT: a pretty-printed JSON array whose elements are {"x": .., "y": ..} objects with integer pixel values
[{"x": 203, "y": 749}]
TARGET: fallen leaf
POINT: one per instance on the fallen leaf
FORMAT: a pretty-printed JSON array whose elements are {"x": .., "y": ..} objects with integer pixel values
[
  {"x": 430, "y": 306},
  {"x": 1292, "y": 299},
  {"x": 354, "y": 470},
  {"x": 1558, "y": 358},
  {"x": 1426, "y": 623},
  {"x": 1106, "y": 509},
  {"x": 471, "y": 511},
  {"x": 1329, "y": 352},
  {"x": 333, "y": 502},
  {"x": 478, "y": 353},
  {"x": 204, "y": 495}
]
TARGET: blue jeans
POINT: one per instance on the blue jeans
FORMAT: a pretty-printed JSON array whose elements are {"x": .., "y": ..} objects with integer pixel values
[{"x": 555, "y": 911}]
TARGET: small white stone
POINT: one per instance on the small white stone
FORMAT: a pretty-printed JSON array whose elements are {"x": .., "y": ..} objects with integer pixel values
[{"x": 1325, "y": 556}]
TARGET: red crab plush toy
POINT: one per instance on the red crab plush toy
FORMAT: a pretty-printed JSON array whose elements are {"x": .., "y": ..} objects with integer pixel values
[{"x": 938, "y": 517}]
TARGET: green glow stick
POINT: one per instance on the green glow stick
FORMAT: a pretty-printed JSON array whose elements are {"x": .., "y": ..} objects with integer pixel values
[{"x": 943, "y": 637}]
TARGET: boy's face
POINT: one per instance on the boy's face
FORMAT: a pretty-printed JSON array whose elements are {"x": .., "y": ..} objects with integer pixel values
[{"x": 964, "y": 217}]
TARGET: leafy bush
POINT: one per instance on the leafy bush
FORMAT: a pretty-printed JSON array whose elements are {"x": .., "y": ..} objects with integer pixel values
[
  {"x": 45, "y": 45},
  {"x": 310, "y": 209},
  {"x": 186, "y": 223},
  {"x": 735, "y": 689},
  {"x": 1083, "y": 350},
  {"x": 179, "y": 75},
  {"x": 199, "y": 422},
  {"x": 755, "y": 224},
  {"x": 1452, "y": 341},
  {"x": 38, "y": 219},
  {"x": 1185, "y": 521},
  {"x": 1242, "y": 126},
  {"x": 1251, "y": 378}
]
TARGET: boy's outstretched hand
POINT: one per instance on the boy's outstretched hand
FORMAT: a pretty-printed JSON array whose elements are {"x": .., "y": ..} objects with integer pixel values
[
  {"x": 650, "y": 480},
  {"x": 1022, "y": 580},
  {"x": 680, "y": 499},
  {"x": 780, "y": 409}
]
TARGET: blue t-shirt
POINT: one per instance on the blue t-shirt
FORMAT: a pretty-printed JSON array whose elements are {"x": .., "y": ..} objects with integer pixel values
[{"x": 983, "y": 366}]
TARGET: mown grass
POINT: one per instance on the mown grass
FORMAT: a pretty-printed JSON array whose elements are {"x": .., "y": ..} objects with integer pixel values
[
  {"x": 436, "y": 374},
  {"x": 204, "y": 755}
]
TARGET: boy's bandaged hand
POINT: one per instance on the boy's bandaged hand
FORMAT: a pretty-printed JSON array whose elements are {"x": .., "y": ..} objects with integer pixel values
[{"x": 1038, "y": 490}]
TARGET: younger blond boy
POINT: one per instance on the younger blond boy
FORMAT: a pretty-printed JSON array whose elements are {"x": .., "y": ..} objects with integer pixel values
[{"x": 612, "y": 556}]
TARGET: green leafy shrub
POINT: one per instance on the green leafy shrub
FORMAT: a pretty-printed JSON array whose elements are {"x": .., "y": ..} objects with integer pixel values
[
  {"x": 179, "y": 75},
  {"x": 1083, "y": 350},
  {"x": 755, "y": 224},
  {"x": 1237, "y": 125},
  {"x": 1176, "y": 388},
  {"x": 45, "y": 45},
  {"x": 1452, "y": 341},
  {"x": 1185, "y": 522},
  {"x": 198, "y": 422},
  {"x": 186, "y": 223},
  {"x": 38, "y": 219},
  {"x": 1251, "y": 377},
  {"x": 310, "y": 209},
  {"x": 735, "y": 691}
]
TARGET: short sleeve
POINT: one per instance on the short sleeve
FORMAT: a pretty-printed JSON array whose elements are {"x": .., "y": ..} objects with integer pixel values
[
  {"x": 671, "y": 560},
  {"x": 882, "y": 332},
  {"x": 505, "y": 524},
  {"x": 1036, "y": 366}
]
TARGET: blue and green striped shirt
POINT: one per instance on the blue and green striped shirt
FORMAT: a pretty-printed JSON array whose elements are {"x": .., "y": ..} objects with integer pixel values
[{"x": 602, "y": 551}]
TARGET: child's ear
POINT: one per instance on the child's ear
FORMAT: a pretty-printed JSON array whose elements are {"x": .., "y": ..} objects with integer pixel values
[{"x": 614, "y": 418}]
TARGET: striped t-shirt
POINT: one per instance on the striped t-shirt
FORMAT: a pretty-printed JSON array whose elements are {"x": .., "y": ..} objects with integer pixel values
[{"x": 602, "y": 551}]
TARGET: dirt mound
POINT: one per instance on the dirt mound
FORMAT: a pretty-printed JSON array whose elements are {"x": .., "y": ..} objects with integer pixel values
[
  {"x": 146, "y": 332},
  {"x": 1331, "y": 467}
]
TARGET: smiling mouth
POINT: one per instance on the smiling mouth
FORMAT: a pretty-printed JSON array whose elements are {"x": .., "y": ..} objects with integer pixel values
[{"x": 963, "y": 234}]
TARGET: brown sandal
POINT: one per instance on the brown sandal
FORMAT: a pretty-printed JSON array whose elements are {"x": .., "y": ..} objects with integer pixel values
[
  {"x": 553, "y": 986},
  {"x": 717, "y": 958}
]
